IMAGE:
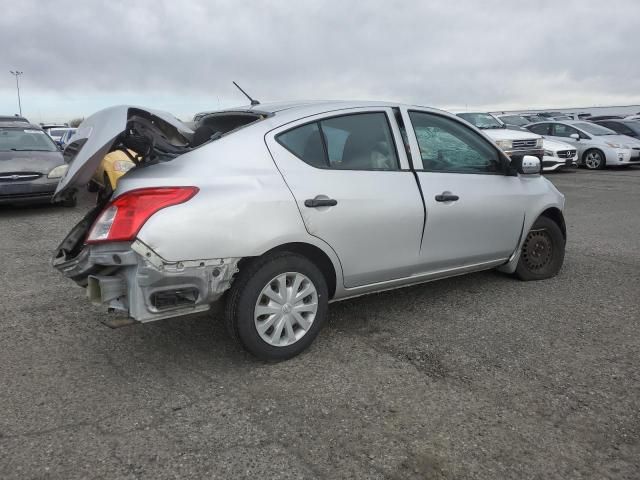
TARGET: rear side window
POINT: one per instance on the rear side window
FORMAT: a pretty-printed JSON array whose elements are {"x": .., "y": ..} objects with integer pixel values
[
  {"x": 305, "y": 143},
  {"x": 360, "y": 141}
]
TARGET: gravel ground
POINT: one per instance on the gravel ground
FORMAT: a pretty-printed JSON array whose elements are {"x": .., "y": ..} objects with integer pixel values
[{"x": 481, "y": 376}]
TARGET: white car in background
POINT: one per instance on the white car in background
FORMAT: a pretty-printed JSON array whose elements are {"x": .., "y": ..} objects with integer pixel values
[
  {"x": 515, "y": 143},
  {"x": 558, "y": 155}
]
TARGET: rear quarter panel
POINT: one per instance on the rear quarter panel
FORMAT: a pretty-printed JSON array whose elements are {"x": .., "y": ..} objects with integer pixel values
[{"x": 244, "y": 207}]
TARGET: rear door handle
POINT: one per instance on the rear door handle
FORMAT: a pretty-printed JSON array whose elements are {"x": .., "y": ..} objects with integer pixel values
[
  {"x": 320, "y": 202},
  {"x": 447, "y": 197}
]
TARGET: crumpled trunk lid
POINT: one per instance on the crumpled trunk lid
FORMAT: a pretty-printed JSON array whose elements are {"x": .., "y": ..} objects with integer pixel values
[{"x": 157, "y": 132}]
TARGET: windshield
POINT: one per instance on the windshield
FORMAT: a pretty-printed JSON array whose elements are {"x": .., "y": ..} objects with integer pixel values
[
  {"x": 25, "y": 140},
  {"x": 515, "y": 120},
  {"x": 593, "y": 129},
  {"x": 481, "y": 120}
]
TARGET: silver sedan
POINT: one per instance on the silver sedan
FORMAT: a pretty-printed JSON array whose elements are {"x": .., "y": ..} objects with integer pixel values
[
  {"x": 597, "y": 146},
  {"x": 284, "y": 208}
]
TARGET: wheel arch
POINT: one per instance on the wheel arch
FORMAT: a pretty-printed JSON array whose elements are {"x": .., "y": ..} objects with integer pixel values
[
  {"x": 317, "y": 256},
  {"x": 555, "y": 214}
]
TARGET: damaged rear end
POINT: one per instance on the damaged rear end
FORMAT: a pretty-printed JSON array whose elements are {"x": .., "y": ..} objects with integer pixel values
[{"x": 102, "y": 252}]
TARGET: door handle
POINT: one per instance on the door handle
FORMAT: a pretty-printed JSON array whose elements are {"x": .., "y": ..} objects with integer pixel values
[
  {"x": 447, "y": 197},
  {"x": 320, "y": 202}
]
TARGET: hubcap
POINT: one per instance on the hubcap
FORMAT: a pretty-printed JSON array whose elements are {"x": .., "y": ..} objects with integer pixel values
[
  {"x": 286, "y": 309},
  {"x": 593, "y": 160},
  {"x": 537, "y": 250}
]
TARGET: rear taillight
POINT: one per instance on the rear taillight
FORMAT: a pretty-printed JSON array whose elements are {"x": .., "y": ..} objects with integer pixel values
[{"x": 122, "y": 219}]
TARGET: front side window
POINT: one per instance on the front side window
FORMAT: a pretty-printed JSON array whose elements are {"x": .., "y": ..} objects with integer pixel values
[
  {"x": 448, "y": 146},
  {"x": 349, "y": 142}
]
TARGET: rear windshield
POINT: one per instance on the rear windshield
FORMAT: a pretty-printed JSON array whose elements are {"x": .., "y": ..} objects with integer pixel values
[{"x": 25, "y": 140}]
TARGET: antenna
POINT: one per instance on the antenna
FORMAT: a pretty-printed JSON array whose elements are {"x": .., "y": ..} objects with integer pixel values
[{"x": 253, "y": 102}]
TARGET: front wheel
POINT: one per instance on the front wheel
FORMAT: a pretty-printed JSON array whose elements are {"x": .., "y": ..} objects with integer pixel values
[
  {"x": 594, "y": 160},
  {"x": 277, "y": 305},
  {"x": 542, "y": 252}
]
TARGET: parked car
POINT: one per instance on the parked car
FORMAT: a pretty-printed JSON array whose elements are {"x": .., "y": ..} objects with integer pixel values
[
  {"x": 300, "y": 206},
  {"x": 597, "y": 146},
  {"x": 514, "y": 143},
  {"x": 558, "y": 155},
  {"x": 533, "y": 118},
  {"x": 64, "y": 139},
  {"x": 30, "y": 165},
  {"x": 593, "y": 118},
  {"x": 56, "y": 133},
  {"x": 630, "y": 128},
  {"x": 511, "y": 120},
  {"x": 13, "y": 119}
]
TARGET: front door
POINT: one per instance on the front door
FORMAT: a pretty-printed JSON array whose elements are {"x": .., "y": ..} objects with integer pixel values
[
  {"x": 354, "y": 190},
  {"x": 475, "y": 213}
]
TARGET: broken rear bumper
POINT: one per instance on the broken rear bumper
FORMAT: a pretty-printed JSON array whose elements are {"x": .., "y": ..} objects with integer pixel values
[{"x": 131, "y": 278}]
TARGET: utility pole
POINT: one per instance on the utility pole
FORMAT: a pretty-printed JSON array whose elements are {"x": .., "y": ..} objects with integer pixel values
[{"x": 17, "y": 74}]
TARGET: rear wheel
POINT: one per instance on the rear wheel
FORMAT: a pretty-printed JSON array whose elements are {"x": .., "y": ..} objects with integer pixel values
[
  {"x": 277, "y": 305},
  {"x": 542, "y": 253},
  {"x": 594, "y": 159}
]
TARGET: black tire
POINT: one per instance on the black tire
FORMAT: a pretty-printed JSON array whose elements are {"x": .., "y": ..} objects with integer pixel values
[
  {"x": 595, "y": 164},
  {"x": 105, "y": 193},
  {"x": 69, "y": 202},
  {"x": 255, "y": 275},
  {"x": 542, "y": 253}
]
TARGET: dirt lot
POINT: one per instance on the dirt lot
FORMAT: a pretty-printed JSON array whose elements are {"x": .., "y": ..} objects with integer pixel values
[{"x": 480, "y": 376}]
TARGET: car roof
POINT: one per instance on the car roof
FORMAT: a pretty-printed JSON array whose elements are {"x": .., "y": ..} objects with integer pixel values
[
  {"x": 13, "y": 118},
  {"x": 18, "y": 124},
  {"x": 289, "y": 111}
]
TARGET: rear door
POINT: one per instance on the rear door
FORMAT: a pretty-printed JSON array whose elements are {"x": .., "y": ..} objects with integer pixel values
[
  {"x": 355, "y": 190},
  {"x": 475, "y": 212}
]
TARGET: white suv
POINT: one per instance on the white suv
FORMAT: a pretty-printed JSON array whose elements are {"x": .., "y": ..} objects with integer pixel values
[{"x": 512, "y": 142}]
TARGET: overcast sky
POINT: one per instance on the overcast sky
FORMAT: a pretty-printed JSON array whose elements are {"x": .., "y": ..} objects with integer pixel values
[{"x": 181, "y": 56}]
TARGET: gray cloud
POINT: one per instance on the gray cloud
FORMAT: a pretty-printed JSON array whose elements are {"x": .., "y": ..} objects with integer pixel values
[{"x": 443, "y": 53}]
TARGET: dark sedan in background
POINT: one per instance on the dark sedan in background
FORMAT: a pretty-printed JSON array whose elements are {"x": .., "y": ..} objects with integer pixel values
[
  {"x": 630, "y": 128},
  {"x": 31, "y": 165}
]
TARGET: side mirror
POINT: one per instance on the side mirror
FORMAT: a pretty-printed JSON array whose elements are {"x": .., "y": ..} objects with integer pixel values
[
  {"x": 530, "y": 165},
  {"x": 575, "y": 136}
]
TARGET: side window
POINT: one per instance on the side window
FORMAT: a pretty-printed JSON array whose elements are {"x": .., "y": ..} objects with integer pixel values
[
  {"x": 360, "y": 142},
  {"x": 350, "y": 142},
  {"x": 561, "y": 130},
  {"x": 448, "y": 146},
  {"x": 540, "y": 129},
  {"x": 305, "y": 143}
]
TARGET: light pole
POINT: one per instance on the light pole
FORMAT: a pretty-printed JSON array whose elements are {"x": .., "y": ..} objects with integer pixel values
[{"x": 17, "y": 74}]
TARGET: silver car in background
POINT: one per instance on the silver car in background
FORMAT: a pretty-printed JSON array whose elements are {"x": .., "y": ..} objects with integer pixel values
[
  {"x": 286, "y": 207},
  {"x": 597, "y": 146}
]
